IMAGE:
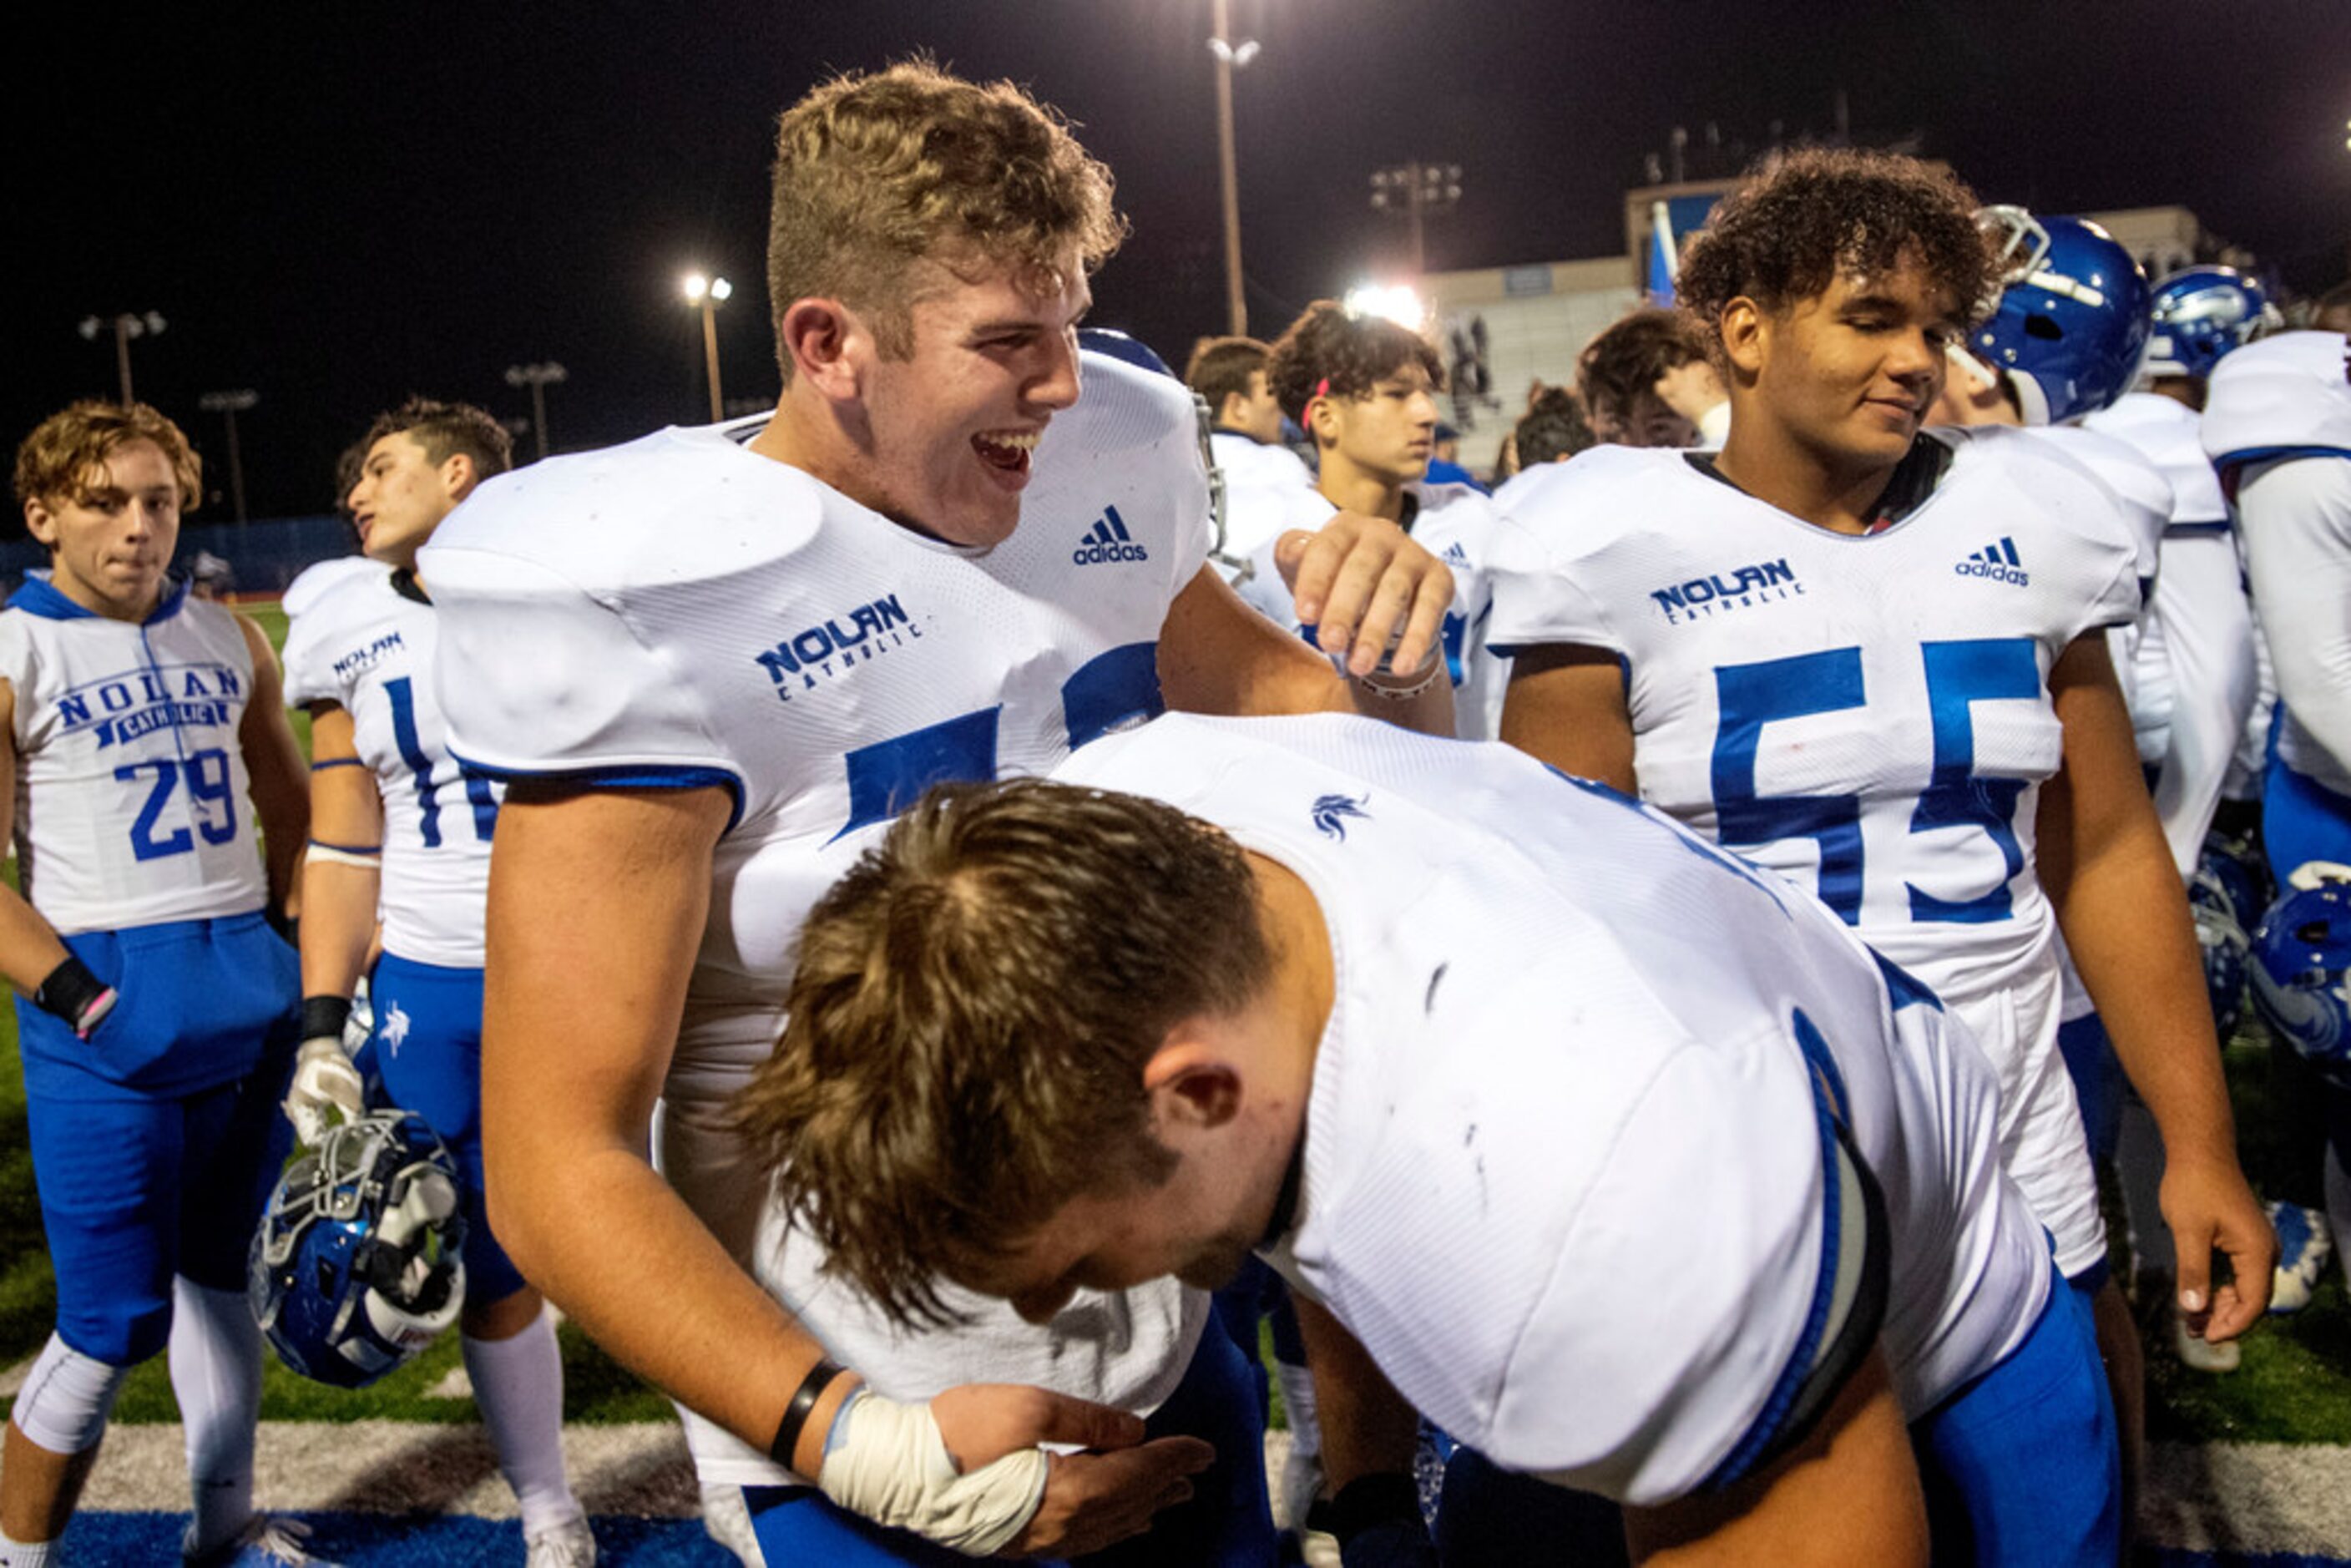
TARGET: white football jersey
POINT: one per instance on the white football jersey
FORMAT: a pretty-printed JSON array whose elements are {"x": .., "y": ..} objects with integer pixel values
[
  {"x": 1869, "y": 715},
  {"x": 362, "y": 643},
  {"x": 2271, "y": 408},
  {"x": 681, "y": 610},
  {"x": 2200, "y": 613},
  {"x": 133, "y": 801},
  {"x": 1456, "y": 522},
  {"x": 1264, "y": 483},
  {"x": 2140, "y": 651},
  {"x": 1579, "y": 1073}
]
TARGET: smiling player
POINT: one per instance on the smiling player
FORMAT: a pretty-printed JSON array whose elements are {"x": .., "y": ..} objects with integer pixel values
[{"x": 711, "y": 670}]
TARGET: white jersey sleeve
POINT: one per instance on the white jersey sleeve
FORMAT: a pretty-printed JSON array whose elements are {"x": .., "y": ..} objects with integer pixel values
[
  {"x": 366, "y": 642},
  {"x": 2296, "y": 516},
  {"x": 2166, "y": 433},
  {"x": 2207, "y": 637},
  {"x": 2284, "y": 396}
]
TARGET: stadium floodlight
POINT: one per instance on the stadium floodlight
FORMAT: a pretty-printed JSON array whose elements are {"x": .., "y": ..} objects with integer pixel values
[
  {"x": 1231, "y": 56},
  {"x": 228, "y": 404},
  {"x": 537, "y": 378},
  {"x": 708, "y": 293},
  {"x": 125, "y": 327},
  {"x": 1390, "y": 302}
]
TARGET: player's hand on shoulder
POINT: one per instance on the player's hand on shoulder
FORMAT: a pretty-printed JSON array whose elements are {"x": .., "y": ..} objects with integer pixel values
[{"x": 1366, "y": 585}]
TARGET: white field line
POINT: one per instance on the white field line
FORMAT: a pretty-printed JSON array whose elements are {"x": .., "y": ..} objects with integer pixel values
[{"x": 2251, "y": 1497}]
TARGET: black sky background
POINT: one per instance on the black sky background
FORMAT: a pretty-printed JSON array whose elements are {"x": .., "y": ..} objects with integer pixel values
[{"x": 340, "y": 205}]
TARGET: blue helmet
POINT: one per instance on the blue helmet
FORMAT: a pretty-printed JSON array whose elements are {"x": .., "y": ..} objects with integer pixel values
[
  {"x": 2236, "y": 862},
  {"x": 1120, "y": 346},
  {"x": 2202, "y": 314},
  {"x": 2225, "y": 948},
  {"x": 2299, "y": 956},
  {"x": 2072, "y": 323},
  {"x": 355, "y": 1268}
]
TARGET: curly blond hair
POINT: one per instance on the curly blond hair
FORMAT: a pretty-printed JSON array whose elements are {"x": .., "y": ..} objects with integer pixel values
[{"x": 67, "y": 453}]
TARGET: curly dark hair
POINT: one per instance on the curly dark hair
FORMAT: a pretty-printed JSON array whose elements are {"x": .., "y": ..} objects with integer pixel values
[
  {"x": 1554, "y": 426},
  {"x": 1626, "y": 359},
  {"x": 444, "y": 429},
  {"x": 1352, "y": 353},
  {"x": 1800, "y": 218}
]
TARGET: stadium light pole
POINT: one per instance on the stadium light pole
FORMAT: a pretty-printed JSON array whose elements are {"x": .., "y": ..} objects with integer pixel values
[
  {"x": 1230, "y": 58},
  {"x": 228, "y": 405},
  {"x": 709, "y": 293},
  {"x": 125, "y": 327},
  {"x": 537, "y": 378}
]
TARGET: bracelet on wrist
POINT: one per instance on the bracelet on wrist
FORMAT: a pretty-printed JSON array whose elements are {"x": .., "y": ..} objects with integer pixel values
[
  {"x": 74, "y": 995},
  {"x": 819, "y": 1377},
  {"x": 325, "y": 1014},
  {"x": 1385, "y": 1497}
]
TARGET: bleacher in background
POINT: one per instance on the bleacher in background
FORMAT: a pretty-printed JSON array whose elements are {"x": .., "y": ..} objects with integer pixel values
[{"x": 265, "y": 556}]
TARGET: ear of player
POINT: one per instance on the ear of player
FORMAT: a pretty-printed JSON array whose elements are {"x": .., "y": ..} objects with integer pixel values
[{"x": 357, "y": 1265}]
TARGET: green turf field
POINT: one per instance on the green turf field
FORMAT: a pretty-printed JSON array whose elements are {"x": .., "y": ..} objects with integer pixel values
[{"x": 2294, "y": 1386}]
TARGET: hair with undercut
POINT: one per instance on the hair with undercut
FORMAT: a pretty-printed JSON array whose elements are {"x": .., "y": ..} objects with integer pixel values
[
  {"x": 1553, "y": 428},
  {"x": 876, "y": 173},
  {"x": 973, "y": 1009},
  {"x": 1626, "y": 359},
  {"x": 1802, "y": 219},
  {"x": 1221, "y": 368},
  {"x": 65, "y": 457},
  {"x": 1329, "y": 352},
  {"x": 443, "y": 430}
]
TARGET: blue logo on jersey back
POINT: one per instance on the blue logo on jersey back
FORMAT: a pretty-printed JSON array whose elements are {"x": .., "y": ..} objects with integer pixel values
[
  {"x": 1998, "y": 562},
  {"x": 1108, "y": 541},
  {"x": 1740, "y": 589},
  {"x": 1331, "y": 811},
  {"x": 830, "y": 647}
]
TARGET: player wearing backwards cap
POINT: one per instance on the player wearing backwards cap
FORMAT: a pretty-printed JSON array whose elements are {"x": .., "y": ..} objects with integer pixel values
[
  {"x": 2277, "y": 423},
  {"x": 397, "y": 826},
  {"x": 1625, "y": 1164},
  {"x": 711, "y": 671},
  {"x": 156, "y": 1008},
  {"x": 1364, "y": 388},
  {"x": 1874, "y": 659}
]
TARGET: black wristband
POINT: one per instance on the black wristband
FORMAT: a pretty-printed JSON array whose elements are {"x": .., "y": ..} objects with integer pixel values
[
  {"x": 811, "y": 1389},
  {"x": 324, "y": 1015},
  {"x": 1383, "y": 1496},
  {"x": 69, "y": 991}
]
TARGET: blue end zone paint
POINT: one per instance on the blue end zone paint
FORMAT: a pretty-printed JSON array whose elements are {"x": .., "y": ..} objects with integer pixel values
[{"x": 393, "y": 1540}]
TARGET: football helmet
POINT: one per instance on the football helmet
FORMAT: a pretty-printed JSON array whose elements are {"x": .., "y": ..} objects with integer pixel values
[
  {"x": 356, "y": 1266},
  {"x": 2072, "y": 323},
  {"x": 2299, "y": 957},
  {"x": 1119, "y": 345},
  {"x": 2225, "y": 948},
  {"x": 2202, "y": 314}
]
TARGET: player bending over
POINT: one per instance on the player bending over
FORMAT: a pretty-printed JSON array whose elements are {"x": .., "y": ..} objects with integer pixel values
[
  {"x": 156, "y": 1007},
  {"x": 1626, "y": 1163},
  {"x": 399, "y": 827},
  {"x": 713, "y": 671}
]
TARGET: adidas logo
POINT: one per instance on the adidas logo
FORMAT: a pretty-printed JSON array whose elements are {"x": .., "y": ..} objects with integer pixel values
[
  {"x": 1108, "y": 541},
  {"x": 1998, "y": 562},
  {"x": 1455, "y": 555}
]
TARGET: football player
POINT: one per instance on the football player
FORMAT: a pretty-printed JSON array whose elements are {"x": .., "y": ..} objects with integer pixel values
[
  {"x": 1874, "y": 657},
  {"x": 710, "y": 670},
  {"x": 2277, "y": 423},
  {"x": 156, "y": 1008},
  {"x": 1364, "y": 388},
  {"x": 1617, "y": 1156},
  {"x": 1648, "y": 382},
  {"x": 397, "y": 826}
]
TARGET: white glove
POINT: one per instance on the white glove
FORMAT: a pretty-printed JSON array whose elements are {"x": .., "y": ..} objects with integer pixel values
[
  {"x": 324, "y": 1081},
  {"x": 888, "y": 1463}
]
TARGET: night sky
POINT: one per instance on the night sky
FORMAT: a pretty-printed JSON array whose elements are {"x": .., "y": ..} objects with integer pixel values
[{"x": 361, "y": 201}]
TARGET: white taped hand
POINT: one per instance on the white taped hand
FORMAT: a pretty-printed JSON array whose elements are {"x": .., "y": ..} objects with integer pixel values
[
  {"x": 888, "y": 1463},
  {"x": 324, "y": 1081}
]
